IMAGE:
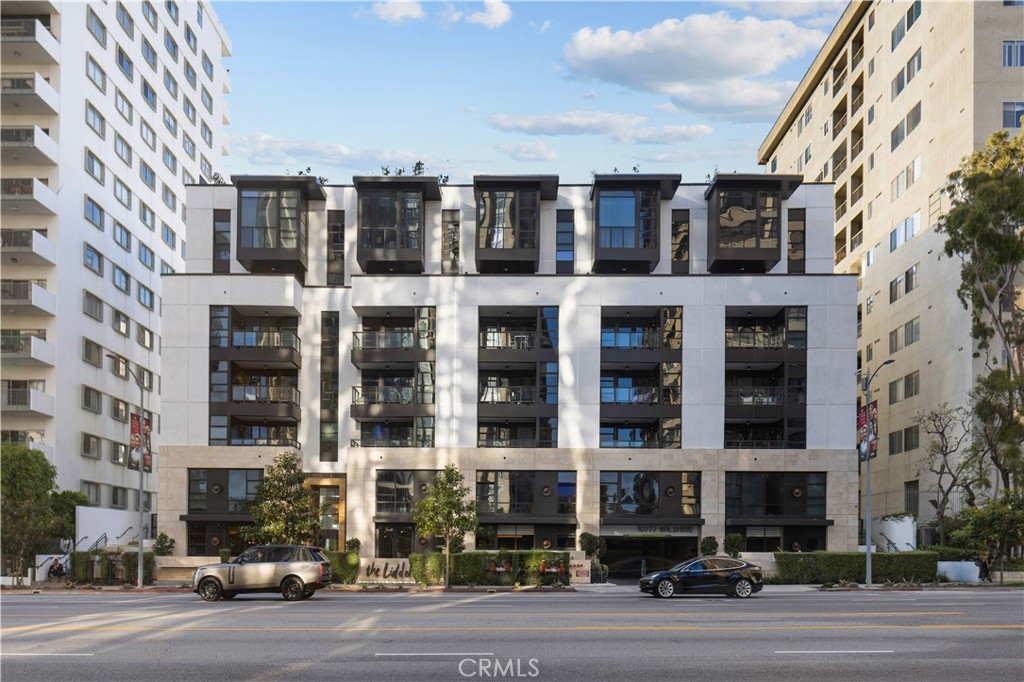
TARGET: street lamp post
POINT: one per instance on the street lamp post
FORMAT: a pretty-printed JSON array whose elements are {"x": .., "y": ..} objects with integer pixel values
[
  {"x": 865, "y": 451},
  {"x": 142, "y": 469}
]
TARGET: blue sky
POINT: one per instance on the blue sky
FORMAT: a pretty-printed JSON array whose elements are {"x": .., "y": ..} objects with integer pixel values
[{"x": 568, "y": 88}]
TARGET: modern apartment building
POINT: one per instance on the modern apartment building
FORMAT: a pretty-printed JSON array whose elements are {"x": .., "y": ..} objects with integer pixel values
[
  {"x": 109, "y": 110},
  {"x": 637, "y": 358},
  {"x": 900, "y": 93}
]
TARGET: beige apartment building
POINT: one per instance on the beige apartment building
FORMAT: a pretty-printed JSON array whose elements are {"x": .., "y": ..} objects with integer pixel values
[{"x": 897, "y": 96}]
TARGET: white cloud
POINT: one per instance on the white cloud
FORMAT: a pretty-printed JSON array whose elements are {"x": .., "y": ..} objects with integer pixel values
[
  {"x": 792, "y": 9},
  {"x": 662, "y": 135},
  {"x": 686, "y": 60},
  {"x": 494, "y": 14},
  {"x": 528, "y": 151},
  {"x": 398, "y": 11},
  {"x": 451, "y": 14},
  {"x": 590, "y": 95},
  {"x": 545, "y": 25},
  {"x": 578, "y": 122},
  {"x": 280, "y": 154}
]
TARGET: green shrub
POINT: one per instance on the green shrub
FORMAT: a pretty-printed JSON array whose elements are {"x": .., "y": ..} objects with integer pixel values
[
  {"x": 708, "y": 545},
  {"x": 832, "y": 567},
  {"x": 225, "y": 556},
  {"x": 951, "y": 553},
  {"x": 733, "y": 544},
  {"x": 481, "y": 568},
  {"x": 427, "y": 569},
  {"x": 164, "y": 545},
  {"x": 353, "y": 545},
  {"x": 80, "y": 567},
  {"x": 344, "y": 566},
  {"x": 592, "y": 545},
  {"x": 130, "y": 561}
]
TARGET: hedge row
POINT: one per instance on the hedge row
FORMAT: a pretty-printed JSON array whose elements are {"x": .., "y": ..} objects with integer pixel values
[
  {"x": 830, "y": 567},
  {"x": 951, "y": 553},
  {"x": 504, "y": 567},
  {"x": 344, "y": 566},
  {"x": 111, "y": 565}
]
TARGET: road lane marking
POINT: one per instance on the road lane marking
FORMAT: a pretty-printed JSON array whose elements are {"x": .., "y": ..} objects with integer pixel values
[
  {"x": 486, "y": 653},
  {"x": 841, "y": 651},
  {"x": 9, "y": 653}
]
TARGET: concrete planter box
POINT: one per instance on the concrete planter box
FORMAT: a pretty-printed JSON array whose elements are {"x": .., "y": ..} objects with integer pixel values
[{"x": 959, "y": 571}]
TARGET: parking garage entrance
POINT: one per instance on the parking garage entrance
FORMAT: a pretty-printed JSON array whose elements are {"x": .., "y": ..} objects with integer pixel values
[{"x": 628, "y": 557}]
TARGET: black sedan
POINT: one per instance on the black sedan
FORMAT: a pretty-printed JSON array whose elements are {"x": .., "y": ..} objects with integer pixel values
[{"x": 732, "y": 577}]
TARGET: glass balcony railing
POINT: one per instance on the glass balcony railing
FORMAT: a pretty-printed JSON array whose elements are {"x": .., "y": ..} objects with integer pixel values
[
  {"x": 391, "y": 395},
  {"x": 754, "y": 395},
  {"x": 508, "y": 395},
  {"x": 244, "y": 393},
  {"x": 840, "y": 254},
  {"x": 514, "y": 340},
  {"x": 639, "y": 395},
  {"x": 755, "y": 339},
  {"x": 265, "y": 338},
  {"x": 398, "y": 338}
]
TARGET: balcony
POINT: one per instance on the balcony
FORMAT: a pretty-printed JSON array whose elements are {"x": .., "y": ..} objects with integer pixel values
[
  {"x": 272, "y": 347},
  {"x": 856, "y": 148},
  {"x": 375, "y": 349},
  {"x": 856, "y": 240},
  {"x": 25, "y": 297},
  {"x": 508, "y": 226},
  {"x": 27, "y": 146},
  {"x": 512, "y": 340},
  {"x": 27, "y": 94},
  {"x": 387, "y": 402},
  {"x": 401, "y": 442},
  {"x": 754, "y": 395},
  {"x": 27, "y": 196},
  {"x": 266, "y": 402},
  {"x": 841, "y": 210},
  {"x": 26, "y": 401},
  {"x": 27, "y": 247},
  {"x": 840, "y": 254},
  {"x": 838, "y": 80},
  {"x": 26, "y": 42},
  {"x": 858, "y": 102},
  {"x": 756, "y": 340},
  {"x": 856, "y": 194},
  {"x": 838, "y": 168},
  {"x": 838, "y": 125},
  {"x": 858, "y": 56},
  {"x": 507, "y": 395},
  {"x": 21, "y": 348}
]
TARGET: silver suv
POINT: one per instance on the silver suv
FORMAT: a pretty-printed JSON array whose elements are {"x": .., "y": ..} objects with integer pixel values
[{"x": 297, "y": 571}]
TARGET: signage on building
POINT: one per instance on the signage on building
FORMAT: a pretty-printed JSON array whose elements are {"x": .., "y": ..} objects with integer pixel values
[
  {"x": 674, "y": 530},
  {"x": 579, "y": 571},
  {"x": 378, "y": 570},
  {"x": 867, "y": 431},
  {"x": 140, "y": 452}
]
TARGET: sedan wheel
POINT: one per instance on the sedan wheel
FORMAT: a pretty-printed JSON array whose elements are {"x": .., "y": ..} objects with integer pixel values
[
  {"x": 742, "y": 588},
  {"x": 209, "y": 590},
  {"x": 665, "y": 588},
  {"x": 292, "y": 589}
]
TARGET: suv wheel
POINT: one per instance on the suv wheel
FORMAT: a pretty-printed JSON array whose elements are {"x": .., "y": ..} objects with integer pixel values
[
  {"x": 292, "y": 589},
  {"x": 210, "y": 590}
]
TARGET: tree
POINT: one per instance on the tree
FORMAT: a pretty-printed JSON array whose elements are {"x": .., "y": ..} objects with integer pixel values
[
  {"x": 985, "y": 230},
  {"x": 949, "y": 430},
  {"x": 993, "y": 529},
  {"x": 26, "y": 514},
  {"x": 320, "y": 179},
  {"x": 448, "y": 511},
  {"x": 998, "y": 429},
  {"x": 285, "y": 510},
  {"x": 63, "y": 504}
]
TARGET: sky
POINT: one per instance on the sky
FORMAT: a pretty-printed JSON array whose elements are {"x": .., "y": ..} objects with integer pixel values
[{"x": 502, "y": 88}]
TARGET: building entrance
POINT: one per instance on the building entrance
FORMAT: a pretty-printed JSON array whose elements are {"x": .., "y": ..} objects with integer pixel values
[{"x": 628, "y": 557}]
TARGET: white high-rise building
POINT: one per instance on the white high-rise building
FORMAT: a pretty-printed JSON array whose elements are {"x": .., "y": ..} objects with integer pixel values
[{"x": 109, "y": 110}]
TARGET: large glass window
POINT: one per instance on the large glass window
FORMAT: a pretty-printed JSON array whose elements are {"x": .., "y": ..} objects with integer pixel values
[
  {"x": 395, "y": 491},
  {"x": 748, "y": 219},
  {"x": 504, "y": 492},
  {"x": 508, "y": 219},
  {"x": 242, "y": 487},
  {"x": 797, "y": 232},
  {"x": 629, "y": 492},
  {"x": 565, "y": 241},
  {"x": 273, "y": 219},
  {"x": 390, "y": 219},
  {"x": 680, "y": 241},
  {"x": 222, "y": 241},
  {"x": 394, "y": 540},
  {"x": 759, "y": 494},
  {"x": 627, "y": 219}
]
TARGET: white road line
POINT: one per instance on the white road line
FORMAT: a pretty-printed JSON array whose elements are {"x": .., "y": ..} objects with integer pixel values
[
  {"x": 6, "y": 653},
  {"x": 488, "y": 653},
  {"x": 841, "y": 651}
]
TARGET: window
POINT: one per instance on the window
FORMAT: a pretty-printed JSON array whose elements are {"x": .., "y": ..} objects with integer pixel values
[
  {"x": 165, "y": 269},
  {"x": 118, "y": 497},
  {"x": 122, "y": 193},
  {"x": 123, "y": 149},
  {"x": 207, "y": 66},
  {"x": 92, "y": 352},
  {"x": 797, "y": 221},
  {"x": 895, "y": 391},
  {"x": 207, "y": 134},
  {"x": 896, "y": 289},
  {"x": 199, "y": 14},
  {"x": 207, "y": 99},
  {"x": 911, "y": 278},
  {"x": 912, "y": 331},
  {"x": 92, "y": 306},
  {"x": 96, "y": 27},
  {"x": 120, "y": 323},
  {"x": 186, "y": 179},
  {"x": 147, "y": 174},
  {"x": 125, "y": 64},
  {"x": 680, "y": 241},
  {"x": 627, "y": 218},
  {"x": 171, "y": 45},
  {"x": 146, "y": 297},
  {"x": 145, "y": 377},
  {"x": 172, "y": 10},
  {"x": 774, "y": 164},
  {"x": 190, "y": 75},
  {"x": 190, "y": 149},
  {"x": 94, "y": 73},
  {"x": 91, "y": 447},
  {"x": 189, "y": 109},
  {"x": 146, "y": 256},
  {"x": 118, "y": 453},
  {"x": 905, "y": 23},
  {"x": 190, "y": 39},
  {"x": 911, "y": 498},
  {"x": 1013, "y": 53},
  {"x": 95, "y": 167},
  {"x": 871, "y": 114},
  {"x": 895, "y": 442},
  {"x": 911, "y": 438},
  {"x": 1012, "y": 114},
  {"x": 171, "y": 84},
  {"x": 335, "y": 247},
  {"x": 904, "y": 231},
  {"x": 124, "y": 107},
  {"x": 125, "y": 19},
  {"x": 565, "y": 241},
  {"x": 170, "y": 122},
  {"x": 149, "y": 54},
  {"x": 95, "y": 120},
  {"x": 170, "y": 160},
  {"x": 911, "y": 384},
  {"x": 148, "y": 134},
  {"x": 93, "y": 213},
  {"x": 170, "y": 199},
  {"x": 118, "y": 407},
  {"x": 93, "y": 260},
  {"x": 169, "y": 237},
  {"x": 149, "y": 94},
  {"x": 122, "y": 236},
  {"x": 92, "y": 400},
  {"x": 144, "y": 336},
  {"x": 149, "y": 13},
  {"x": 205, "y": 168},
  {"x": 122, "y": 280},
  {"x": 805, "y": 120}
]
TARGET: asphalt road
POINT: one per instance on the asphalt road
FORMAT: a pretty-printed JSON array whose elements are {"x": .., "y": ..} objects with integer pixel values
[{"x": 606, "y": 633}]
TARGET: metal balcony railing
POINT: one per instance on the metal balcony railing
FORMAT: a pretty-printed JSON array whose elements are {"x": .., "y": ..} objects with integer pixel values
[
  {"x": 407, "y": 442},
  {"x": 856, "y": 194},
  {"x": 763, "y": 443},
  {"x": 639, "y": 395},
  {"x": 280, "y": 441},
  {"x": 489, "y": 507},
  {"x": 856, "y": 240},
  {"x": 838, "y": 126},
  {"x": 837, "y": 81},
  {"x": 841, "y": 210},
  {"x": 11, "y": 136},
  {"x": 18, "y": 83},
  {"x": 840, "y": 254},
  {"x": 857, "y": 102},
  {"x": 18, "y": 291},
  {"x": 838, "y": 168},
  {"x": 18, "y": 28},
  {"x": 856, "y": 148},
  {"x": 643, "y": 339},
  {"x": 498, "y": 442},
  {"x": 15, "y": 187},
  {"x": 858, "y": 55}
]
